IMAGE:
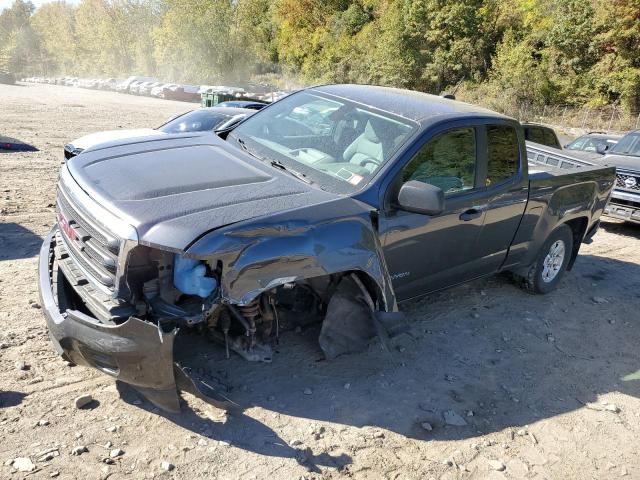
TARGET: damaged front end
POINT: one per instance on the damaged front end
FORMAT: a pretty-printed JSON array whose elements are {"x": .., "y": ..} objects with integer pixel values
[
  {"x": 118, "y": 305},
  {"x": 134, "y": 350}
]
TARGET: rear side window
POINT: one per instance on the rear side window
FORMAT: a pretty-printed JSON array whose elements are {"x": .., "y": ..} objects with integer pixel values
[
  {"x": 550, "y": 138},
  {"x": 447, "y": 161},
  {"x": 503, "y": 153},
  {"x": 535, "y": 134}
]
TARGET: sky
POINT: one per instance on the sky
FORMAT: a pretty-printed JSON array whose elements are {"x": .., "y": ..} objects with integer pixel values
[{"x": 7, "y": 3}]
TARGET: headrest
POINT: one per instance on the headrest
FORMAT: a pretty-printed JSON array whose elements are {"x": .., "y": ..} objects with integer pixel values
[{"x": 370, "y": 134}]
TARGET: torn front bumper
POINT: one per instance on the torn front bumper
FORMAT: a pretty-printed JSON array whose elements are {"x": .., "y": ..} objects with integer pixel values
[{"x": 136, "y": 352}]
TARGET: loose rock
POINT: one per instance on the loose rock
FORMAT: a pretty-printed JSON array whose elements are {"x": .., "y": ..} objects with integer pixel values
[
  {"x": 48, "y": 456},
  {"x": 497, "y": 465},
  {"x": 116, "y": 452},
  {"x": 307, "y": 391},
  {"x": 20, "y": 365},
  {"x": 167, "y": 466},
  {"x": 83, "y": 401},
  {"x": 452, "y": 418},
  {"x": 23, "y": 464},
  {"x": 426, "y": 426},
  {"x": 79, "y": 450},
  {"x": 599, "y": 300},
  {"x": 611, "y": 407}
]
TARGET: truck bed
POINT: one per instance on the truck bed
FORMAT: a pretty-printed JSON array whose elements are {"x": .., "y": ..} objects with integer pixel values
[
  {"x": 540, "y": 155},
  {"x": 545, "y": 162},
  {"x": 550, "y": 167}
]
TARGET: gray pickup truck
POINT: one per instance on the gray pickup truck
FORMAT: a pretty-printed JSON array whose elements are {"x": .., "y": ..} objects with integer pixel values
[{"x": 332, "y": 205}]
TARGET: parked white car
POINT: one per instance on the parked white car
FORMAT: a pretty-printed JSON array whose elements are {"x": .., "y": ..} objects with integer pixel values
[
  {"x": 200, "y": 120},
  {"x": 126, "y": 84},
  {"x": 145, "y": 88},
  {"x": 158, "y": 91}
]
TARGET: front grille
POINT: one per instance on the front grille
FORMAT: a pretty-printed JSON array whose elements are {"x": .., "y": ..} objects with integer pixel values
[
  {"x": 91, "y": 247},
  {"x": 628, "y": 181}
]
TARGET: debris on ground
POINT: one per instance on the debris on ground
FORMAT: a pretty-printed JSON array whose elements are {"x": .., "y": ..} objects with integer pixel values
[
  {"x": 83, "y": 400},
  {"x": 79, "y": 450},
  {"x": 116, "y": 452},
  {"x": 454, "y": 419},
  {"x": 23, "y": 464},
  {"x": 426, "y": 426}
]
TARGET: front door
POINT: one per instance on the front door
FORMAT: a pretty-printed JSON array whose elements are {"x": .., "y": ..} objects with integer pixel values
[{"x": 426, "y": 253}]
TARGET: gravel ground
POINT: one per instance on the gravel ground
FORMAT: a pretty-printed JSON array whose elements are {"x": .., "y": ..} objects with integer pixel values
[{"x": 490, "y": 382}]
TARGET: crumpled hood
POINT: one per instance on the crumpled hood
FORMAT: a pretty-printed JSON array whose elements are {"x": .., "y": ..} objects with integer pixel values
[
  {"x": 626, "y": 162},
  {"x": 175, "y": 189},
  {"x": 100, "y": 137}
]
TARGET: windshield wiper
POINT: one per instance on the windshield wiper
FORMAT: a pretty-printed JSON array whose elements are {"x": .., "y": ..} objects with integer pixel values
[
  {"x": 298, "y": 175},
  {"x": 244, "y": 147},
  {"x": 275, "y": 163},
  {"x": 242, "y": 144}
]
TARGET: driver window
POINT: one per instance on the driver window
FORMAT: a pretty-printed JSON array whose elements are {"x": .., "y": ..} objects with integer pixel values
[{"x": 447, "y": 161}]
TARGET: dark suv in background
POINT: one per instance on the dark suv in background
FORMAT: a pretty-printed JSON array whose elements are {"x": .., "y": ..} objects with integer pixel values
[{"x": 625, "y": 156}]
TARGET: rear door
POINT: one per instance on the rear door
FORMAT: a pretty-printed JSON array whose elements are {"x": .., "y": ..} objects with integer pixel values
[{"x": 506, "y": 186}]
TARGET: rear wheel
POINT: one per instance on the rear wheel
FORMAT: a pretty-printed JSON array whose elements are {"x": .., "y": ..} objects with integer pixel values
[{"x": 547, "y": 271}]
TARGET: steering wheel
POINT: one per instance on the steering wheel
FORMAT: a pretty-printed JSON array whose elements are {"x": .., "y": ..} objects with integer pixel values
[{"x": 368, "y": 160}]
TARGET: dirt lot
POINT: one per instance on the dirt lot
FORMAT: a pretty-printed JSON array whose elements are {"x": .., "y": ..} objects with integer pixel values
[{"x": 546, "y": 387}]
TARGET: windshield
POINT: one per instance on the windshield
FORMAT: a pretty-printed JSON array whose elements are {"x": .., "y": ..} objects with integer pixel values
[
  {"x": 195, "y": 121},
  {"x": 338, "y": 144},
  {"x": 628, "y": 145}
]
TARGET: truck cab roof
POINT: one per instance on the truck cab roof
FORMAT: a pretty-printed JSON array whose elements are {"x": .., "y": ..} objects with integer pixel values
[{"x": 417, "y": 106}]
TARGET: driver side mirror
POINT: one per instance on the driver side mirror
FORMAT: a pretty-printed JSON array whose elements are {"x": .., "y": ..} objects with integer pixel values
[
  {"x": 420, "y": 197},
  {"x": 601, "y": 149}
]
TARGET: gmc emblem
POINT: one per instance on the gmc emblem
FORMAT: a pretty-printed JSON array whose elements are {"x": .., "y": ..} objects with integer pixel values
[{"x": 66, "y": 228}]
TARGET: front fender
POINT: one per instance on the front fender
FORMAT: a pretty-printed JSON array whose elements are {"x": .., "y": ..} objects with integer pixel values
[{"x": 334, "y": 237}]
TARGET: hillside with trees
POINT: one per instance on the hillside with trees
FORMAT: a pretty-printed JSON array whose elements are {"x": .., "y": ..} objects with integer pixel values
[{"x": 531, "y": 52}]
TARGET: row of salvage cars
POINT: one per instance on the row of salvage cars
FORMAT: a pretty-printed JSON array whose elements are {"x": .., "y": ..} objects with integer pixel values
[{"x": 153, "y": 87}]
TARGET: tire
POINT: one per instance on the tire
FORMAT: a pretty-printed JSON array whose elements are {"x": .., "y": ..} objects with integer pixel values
[{"x": 554, "y": 256}]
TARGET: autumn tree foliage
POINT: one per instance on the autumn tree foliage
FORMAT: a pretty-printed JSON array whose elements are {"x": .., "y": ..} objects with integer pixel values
[{"x": 535, "y": 52}]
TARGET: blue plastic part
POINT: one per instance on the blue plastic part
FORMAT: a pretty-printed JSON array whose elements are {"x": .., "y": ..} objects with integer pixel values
[{"x": 189, "y": 277}]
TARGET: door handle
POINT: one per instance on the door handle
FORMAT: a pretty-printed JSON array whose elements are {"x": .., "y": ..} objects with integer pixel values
[{"x": 471, "y": 214}]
